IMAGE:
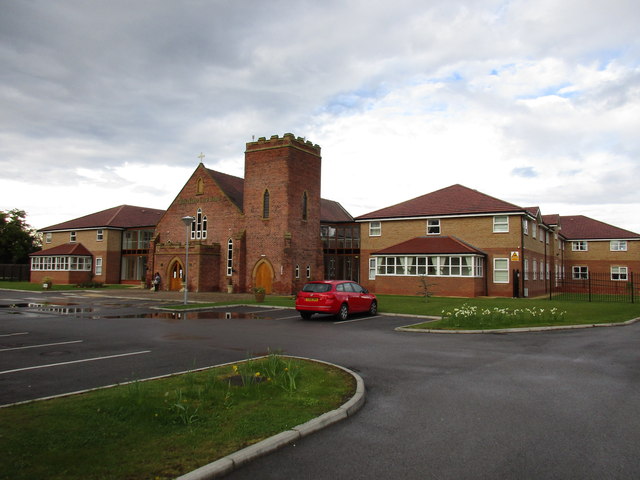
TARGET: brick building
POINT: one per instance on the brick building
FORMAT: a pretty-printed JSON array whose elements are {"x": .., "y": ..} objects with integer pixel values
[
  {"x": 262, "y": 230},
  {"x": 470, "y": 244},
  {"x": 110, "y": 246}
]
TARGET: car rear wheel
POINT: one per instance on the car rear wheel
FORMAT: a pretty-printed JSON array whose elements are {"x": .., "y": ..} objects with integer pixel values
[
  {"x": 343, "y": 313},
  {"x": 306, "y": 315},
  {"x": 373, "y": 308}
]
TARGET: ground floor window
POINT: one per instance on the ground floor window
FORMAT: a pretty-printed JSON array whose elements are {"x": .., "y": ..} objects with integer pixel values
[
  {"x": 61, "y": 263},
  {"x": 134, "y": 267},
  {"x": 580, "y": 273},
  {"x": 619, "y": 273},
  {"x": 500, "y": 270},
  {"x": 431, "y": 265}
]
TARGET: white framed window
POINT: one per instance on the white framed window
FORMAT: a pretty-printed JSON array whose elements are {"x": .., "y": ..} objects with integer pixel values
[
  {"x": 433, "y": 227},
  {"x": 546, "y": 236},
  {"x": 535, "y": 270},
  {"x": 619, "y": 273},
  {"x": 375, "y": 229},
  {"x": 47, "y": 237},
  {"x": 579, "y": 272},
  {"x": 541, "y": 234},
  {"x": 500, "y": 270},
  {"x": 73, "y": 237},
  {"x": 526, "y": 269},
  {"x": 433, "y": 266},
  {"x": 99, "y": 235},
  {"x": 372, "y": 268},
  {"x": 525, "y": 226},
  {"x": 534, "y": 229},
  {"x": 98, "y": 266},
  {"x": 199, "y": 226},
  {"x": 580, "y": 246},
  {"x": 500, "y": 224},
  {"x": 229, "y": 257},
  {"x": 618, "y": 246},
  {"x": 297, "y": 271},
  {"x": 548, "y": 272},
  {"x": 308, "y": 271}
]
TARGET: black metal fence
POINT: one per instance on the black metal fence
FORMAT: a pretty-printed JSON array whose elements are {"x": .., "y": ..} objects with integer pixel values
[
  {"x": 14, "y": 273},
  {"x": 598, "y": 287}
]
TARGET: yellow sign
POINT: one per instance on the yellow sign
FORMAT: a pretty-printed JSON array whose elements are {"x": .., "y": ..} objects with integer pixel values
[{"x": 515, "y": 256}]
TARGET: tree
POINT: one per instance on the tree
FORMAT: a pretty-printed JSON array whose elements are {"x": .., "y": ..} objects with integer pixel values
[{"x": 17, "y": 238}]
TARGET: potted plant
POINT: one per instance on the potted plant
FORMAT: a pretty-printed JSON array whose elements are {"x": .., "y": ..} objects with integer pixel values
[
  {"x": 47, "y": 283},
  {"x": 259, "y": 293},
  {"x": 229, "y": 285}
]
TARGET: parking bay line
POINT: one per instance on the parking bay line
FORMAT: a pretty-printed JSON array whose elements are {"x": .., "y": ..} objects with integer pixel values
[
  {"x": 13, "y": 334},
  {"x": 39, "y": 346},
  {"x": 353, "y": 320},
  {"x": 74, "y": 361}
]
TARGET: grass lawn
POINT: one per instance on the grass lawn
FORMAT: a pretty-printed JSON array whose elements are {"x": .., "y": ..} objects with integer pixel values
[
  {"x": 575, "y": 312},
  {"x": 164, "y": 428}
]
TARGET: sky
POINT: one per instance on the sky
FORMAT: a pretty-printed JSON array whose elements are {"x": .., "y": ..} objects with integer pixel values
[{"x": 534, "y": 102}]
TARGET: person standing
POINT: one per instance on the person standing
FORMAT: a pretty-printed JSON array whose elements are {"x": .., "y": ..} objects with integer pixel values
[{"x": 156, "y": 282}]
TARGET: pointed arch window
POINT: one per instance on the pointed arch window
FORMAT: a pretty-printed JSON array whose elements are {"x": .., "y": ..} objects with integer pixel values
[
  {"x": 230, "y": 257},
  {"x": 200, "y": 187},
  {"x": 265, "y": 204},
  {"x": 305, "y": 204},
  {"x": 199, "y": 226}
]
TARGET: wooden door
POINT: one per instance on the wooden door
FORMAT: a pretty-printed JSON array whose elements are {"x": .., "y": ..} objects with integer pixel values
[
  {"x": 264, "y": 277},
  {"x": 175, "y": 282}
]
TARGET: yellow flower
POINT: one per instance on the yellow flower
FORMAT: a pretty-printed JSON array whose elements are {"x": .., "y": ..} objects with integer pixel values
[
  {"x": 235, "y": 368},
  {"x": 257, "y": 374}
]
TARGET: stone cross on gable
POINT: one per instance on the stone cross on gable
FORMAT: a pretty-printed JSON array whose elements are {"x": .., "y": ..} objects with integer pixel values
[{"x": 201, "y": 156}]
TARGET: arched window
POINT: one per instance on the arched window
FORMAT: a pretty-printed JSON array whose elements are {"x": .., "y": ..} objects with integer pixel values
[
  {"x": 265, "y": 204},
  {"x": 305, "y": 199},
  {"x": 229, "y": 257},
  {"x": 200, "y": 187},
  {"x": 199, "y": 226}
]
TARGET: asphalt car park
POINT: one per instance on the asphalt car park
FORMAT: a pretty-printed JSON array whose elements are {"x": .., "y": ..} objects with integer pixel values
[{"x": 563, "y": 404}]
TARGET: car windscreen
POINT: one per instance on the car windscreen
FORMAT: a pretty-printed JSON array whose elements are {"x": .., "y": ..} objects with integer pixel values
[{"x": 316, "y": 287}]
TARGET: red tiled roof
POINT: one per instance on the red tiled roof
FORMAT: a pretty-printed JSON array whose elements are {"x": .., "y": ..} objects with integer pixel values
[
  {"x": 430, "y": 245},
  {"x": 551, "y": 219},
  {"x": 453, "y": 200},
  {"x": 124, "y": 216},
  {"x": 76, "y": 249},
  {"x": 579, "y": 227},
  {"x": 333, "y": 212},
  {"x": 232, "y": 186}
]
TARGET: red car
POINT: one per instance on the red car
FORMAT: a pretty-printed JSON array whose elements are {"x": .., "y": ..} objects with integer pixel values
[{"x": 336, "y": 297}]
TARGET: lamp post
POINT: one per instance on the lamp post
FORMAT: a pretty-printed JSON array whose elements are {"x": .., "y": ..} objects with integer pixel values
[{"x": 187, "y": 222}]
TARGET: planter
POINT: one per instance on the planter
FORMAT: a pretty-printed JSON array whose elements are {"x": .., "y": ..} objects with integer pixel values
[
  {"x": 259, "y": 297},
  {"x": 229, "y": 288}
]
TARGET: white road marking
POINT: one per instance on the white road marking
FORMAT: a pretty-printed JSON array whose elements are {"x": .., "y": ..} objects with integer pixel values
[
  {"x": 74, "y": 361},
  {"x": 354, "y": 320},
  {"x": 12, "y": 334},
  {"x": 41, "y": 345}
]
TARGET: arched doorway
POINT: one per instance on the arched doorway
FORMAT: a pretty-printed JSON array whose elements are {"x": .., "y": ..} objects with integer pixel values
[
  {"x": 263, "y": 275},
  {"x": 175, "y": 276}
]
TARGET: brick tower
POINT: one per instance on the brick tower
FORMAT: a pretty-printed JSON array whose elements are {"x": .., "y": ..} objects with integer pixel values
[{"x": 282, "y": 213}]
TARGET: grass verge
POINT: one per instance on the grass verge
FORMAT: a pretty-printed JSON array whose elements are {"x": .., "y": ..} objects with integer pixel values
[
  {"x": 566, "y": 312},
  {"x": 164, "y": 428}
]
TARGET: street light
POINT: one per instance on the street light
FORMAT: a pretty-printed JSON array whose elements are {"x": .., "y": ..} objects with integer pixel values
[{"x": 187, "y": 223}]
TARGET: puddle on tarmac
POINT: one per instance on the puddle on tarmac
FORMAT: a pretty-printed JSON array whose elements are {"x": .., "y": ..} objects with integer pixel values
[
  {"x": 62, "y": 308},
  {"x": 178, "y": 316}
]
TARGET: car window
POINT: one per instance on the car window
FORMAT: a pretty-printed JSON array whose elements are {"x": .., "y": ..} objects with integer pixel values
[
  {"x": 316, "y": 287},
  {"x": 347, "y": 287},
  {"x": 357, "y": 288},
  {"x": 340, "y": 287}
]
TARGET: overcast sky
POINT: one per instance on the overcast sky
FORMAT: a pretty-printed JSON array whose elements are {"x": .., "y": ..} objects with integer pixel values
[{"x": 534, "y": 102}]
